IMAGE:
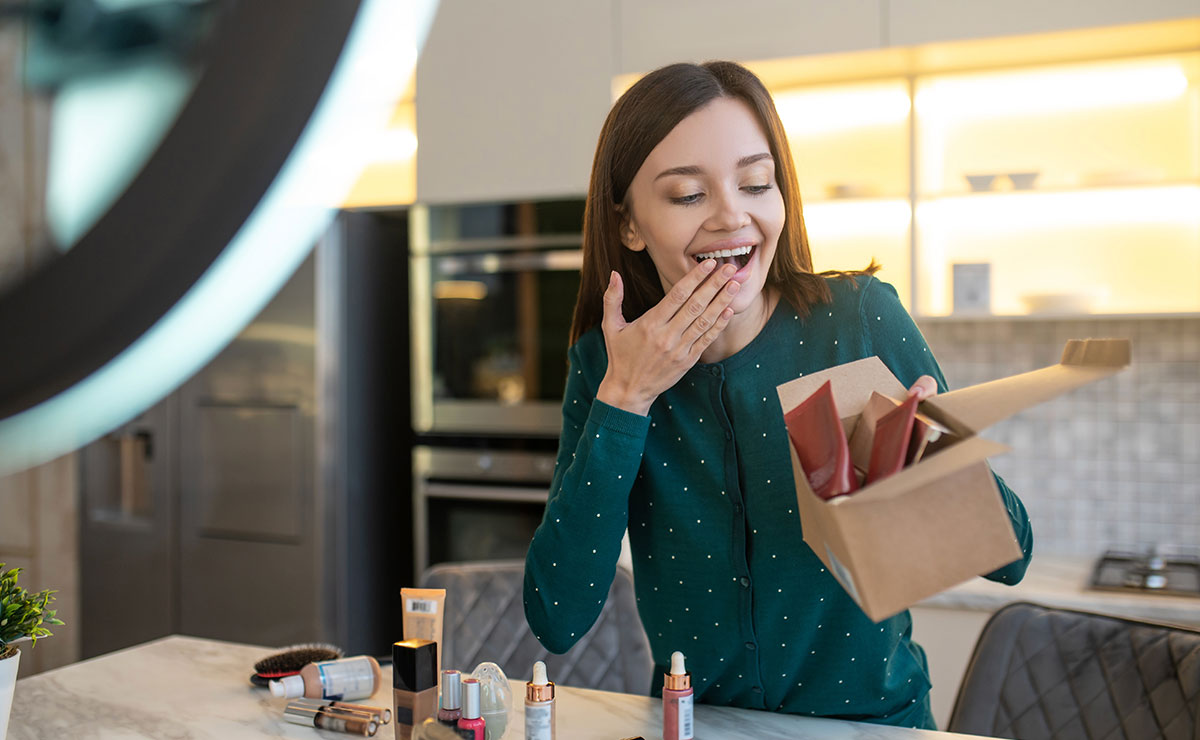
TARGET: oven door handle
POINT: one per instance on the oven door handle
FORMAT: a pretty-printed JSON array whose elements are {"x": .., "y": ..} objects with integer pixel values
[
  {"x": 485, "y": 493},
  {"x": 558, "y": 260}
]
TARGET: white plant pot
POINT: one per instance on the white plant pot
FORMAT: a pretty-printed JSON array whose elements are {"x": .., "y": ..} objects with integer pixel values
[{"x": 8, "y": 684}]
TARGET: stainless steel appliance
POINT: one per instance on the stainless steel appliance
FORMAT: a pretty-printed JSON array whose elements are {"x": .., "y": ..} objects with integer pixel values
[
  {"x": 476, "y": 504},
  {"x": 493, "y": 289},
  {"x": 1160, "y": 570}
]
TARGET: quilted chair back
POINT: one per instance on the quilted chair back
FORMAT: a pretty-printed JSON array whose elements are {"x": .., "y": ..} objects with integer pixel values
[
  {"x": 1040, "y": 673},
  {"x": 485, "y": 621}
]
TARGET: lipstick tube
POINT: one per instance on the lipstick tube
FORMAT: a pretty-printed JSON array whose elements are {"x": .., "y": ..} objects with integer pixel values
[
  {"x": 381, "y": 715},
  {"x": 352, "y": 724}
]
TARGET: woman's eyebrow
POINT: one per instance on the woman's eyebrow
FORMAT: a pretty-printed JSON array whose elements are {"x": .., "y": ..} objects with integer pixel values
[{"x": 692, "y": 169}]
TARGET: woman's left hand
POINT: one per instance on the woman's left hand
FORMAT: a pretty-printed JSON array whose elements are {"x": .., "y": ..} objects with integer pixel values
[{"x": 925, "y": 387}]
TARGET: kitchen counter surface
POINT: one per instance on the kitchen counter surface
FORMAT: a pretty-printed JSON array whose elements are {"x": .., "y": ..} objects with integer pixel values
[
  {"x": 1062, "y": 582},
  {"x": 184, "y": 687}
]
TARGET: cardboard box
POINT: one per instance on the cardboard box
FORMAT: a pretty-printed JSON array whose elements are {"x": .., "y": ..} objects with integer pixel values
[{"x": 940, "y": 521}]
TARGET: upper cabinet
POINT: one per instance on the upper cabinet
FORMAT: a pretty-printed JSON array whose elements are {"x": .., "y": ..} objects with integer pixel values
[
  {"x": 510, "y": 99},
  {"x": 1051, "y": 174}
]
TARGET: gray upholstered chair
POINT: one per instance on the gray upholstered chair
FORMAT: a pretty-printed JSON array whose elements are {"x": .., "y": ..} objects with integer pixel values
[
  {"x": 1040, "y": 673},
  {"x": 485, "y": 620}
]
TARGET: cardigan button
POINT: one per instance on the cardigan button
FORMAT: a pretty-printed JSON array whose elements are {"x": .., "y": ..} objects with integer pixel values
[
  {"x": 751, "y": 646},
  {"x": 744, "y": 581}
]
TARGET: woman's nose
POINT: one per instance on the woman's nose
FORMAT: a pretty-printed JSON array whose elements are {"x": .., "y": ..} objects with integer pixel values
[{"x": 728, "y": 213}]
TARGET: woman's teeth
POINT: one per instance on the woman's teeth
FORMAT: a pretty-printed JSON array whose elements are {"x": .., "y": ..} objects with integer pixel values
[{"x": 739, "y": 255}]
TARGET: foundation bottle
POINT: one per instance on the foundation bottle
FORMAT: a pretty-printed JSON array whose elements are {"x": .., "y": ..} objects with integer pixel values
[
  {"x": 472, "y": 718},
  {"x": 414, "y": 684},
  {"x": 677, "y": 701},
  {"x": 539, "y": 705},
  {"x": 450, "y": 708},
  {"x": 344, "y": 679}
]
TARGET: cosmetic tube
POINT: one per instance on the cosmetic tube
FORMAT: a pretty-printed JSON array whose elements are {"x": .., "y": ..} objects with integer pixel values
[
  {"x": 422, "y": 616},
  {"x": 382, "y": 715},
  {"x": 300, "y": 713},
  {"x": 414, "y": 684},
  {"x": 471, "y": 718},
  {"x": 450, "y": 707},
  {"x": 539, "y": 705},
  {"x": 346, "y": 678},
  {"x": 677, "y": 701}
]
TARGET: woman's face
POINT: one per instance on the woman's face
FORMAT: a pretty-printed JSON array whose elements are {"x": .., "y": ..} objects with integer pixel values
[{"x": 708, "y": 190}]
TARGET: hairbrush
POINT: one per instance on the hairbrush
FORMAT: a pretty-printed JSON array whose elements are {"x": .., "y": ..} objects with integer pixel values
[{"x": 289, "y": 661}]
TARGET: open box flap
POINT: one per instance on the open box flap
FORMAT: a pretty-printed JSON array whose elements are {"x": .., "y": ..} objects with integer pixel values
[
  {"x": 852, "y": 386},
  {"x": 962, "y": 454},
  {"x": 969, "y": 410}
]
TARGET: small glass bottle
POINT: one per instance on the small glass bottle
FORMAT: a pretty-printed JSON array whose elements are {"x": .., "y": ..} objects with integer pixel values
[
  {"x": 539, "y": 705},
  {"x": 471, "y": 718},
  {"x": 677, "y": 701},
  {"x": 450, "y": 707}
]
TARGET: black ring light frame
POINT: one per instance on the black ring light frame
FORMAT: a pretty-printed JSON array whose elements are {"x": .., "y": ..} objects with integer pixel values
[{"x": 264, "y": 69}]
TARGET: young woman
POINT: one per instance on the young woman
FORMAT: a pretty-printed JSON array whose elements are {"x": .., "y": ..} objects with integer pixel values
[{"x": 697, "y": 300}]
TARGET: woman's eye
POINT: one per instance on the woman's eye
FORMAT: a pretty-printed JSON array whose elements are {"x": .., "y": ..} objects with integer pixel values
[
  {"x": 756, "y": 189},
  {"x": 687, "y": 200}
]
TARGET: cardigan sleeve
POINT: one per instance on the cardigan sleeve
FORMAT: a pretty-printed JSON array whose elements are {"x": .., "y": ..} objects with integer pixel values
[
  {"x": 891, "y": 334},
  {"x": 572, "y": 558}
]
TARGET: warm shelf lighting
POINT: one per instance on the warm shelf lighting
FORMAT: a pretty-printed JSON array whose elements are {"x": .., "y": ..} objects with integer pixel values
[
  {"x": 467, "y": 290},
  {"x": 1033, "y": 210},
  {"x": 834, "y": 220},
  {"x": 1016, "y": 94},
  {"x": 820, "y": 111}
]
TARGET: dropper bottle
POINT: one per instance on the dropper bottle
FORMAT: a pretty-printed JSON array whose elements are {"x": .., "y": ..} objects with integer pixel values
[
  {"x": 677, "y": 701},
  {"x": 539, "y": 705}
]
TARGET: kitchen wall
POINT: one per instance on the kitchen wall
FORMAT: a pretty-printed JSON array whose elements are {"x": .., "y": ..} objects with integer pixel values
[{"x": 1115, "y": 462}]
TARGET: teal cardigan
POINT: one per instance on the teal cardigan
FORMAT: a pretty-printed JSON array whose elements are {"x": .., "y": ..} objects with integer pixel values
[{"x": 704, "y": 485}]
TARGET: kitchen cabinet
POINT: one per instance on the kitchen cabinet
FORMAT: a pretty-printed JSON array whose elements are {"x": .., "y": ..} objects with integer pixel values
[
  {"x": 910, "y": 22},
  {"x": 1069, "y": 178},
  {"x": 511, "y": 97},
  {"x": 654, "y": 33}
]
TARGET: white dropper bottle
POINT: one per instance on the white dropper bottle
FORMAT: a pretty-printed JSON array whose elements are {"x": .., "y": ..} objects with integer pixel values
[{"x": 539, "y": 705}]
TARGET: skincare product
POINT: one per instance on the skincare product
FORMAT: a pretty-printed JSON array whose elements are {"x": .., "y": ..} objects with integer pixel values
[
  {"x": 382, "y": 715},
  {"x": 423, "y": 611},
  {"x": 889, "y": 448},
  {"x": 414, "y": 684},
  {"x": 450, "y": 707},
  {"x": 677, "y": 701},
  {"x": 495, "y": 698},
  {"x": 471, "y": 719},
  {"x": 539, "y": 705},
  {"x": 300, "y": 713},
  {"x": 347, "y": 678},
  {"x": 820, "y": 442}
]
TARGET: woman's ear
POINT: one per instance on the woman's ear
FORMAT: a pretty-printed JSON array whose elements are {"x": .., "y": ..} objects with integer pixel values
[{"x": 629, "y": 232}]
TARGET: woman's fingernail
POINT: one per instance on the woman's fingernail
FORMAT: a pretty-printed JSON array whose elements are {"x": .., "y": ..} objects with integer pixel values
[
  {"x": 733, "y": 287},
  {"x": 612, "y": 278},
  {"x": 708, "y": 265},
  {"x": 728, "y": 270}
]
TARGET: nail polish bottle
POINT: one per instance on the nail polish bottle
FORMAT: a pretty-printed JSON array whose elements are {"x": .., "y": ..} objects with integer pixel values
[
  {"x": 471, "y": 717},
  {"x": 450, "y": 709},
  {"x": 539, "y": 705},
  {"x": 677, "y": 701}
]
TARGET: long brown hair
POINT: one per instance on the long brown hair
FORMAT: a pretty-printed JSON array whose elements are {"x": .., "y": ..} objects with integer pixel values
[{"x": 639, "y": 120}]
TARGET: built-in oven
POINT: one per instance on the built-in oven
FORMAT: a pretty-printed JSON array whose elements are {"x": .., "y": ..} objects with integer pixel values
[
  {"x": 472, "y": 504},
  {"x": 493, "y": 287}
]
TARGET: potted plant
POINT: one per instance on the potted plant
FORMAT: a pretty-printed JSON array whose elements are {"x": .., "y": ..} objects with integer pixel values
[{"x": 23, "y": 616}]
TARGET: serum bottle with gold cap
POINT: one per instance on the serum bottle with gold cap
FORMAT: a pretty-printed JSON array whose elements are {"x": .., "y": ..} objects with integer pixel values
[
  {"x": 677, "y": 701},
  {"x": 539, "y": 705}
]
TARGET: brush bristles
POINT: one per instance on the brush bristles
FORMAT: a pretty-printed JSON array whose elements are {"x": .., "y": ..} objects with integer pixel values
[{"x": 290, "y": 660}]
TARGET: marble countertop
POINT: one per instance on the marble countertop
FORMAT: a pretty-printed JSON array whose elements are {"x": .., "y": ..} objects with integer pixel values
[
  {"x": 185, "y": 687},
  {"x": 1062, "y": 582}
]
